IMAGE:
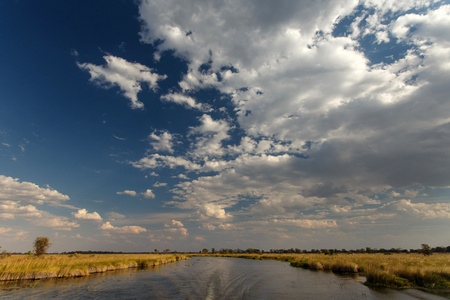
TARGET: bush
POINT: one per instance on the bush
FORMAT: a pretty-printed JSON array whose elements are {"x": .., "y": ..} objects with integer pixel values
[
  {"x": 426, "y": 250},
  {"x": 5, "y": 254}
]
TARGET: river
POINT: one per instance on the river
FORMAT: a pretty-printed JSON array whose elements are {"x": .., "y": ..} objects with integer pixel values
[{"x": 213, "y": 278}]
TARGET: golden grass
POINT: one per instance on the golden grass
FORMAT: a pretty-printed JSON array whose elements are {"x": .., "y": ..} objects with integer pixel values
[
  {"x": 18, "y": 267},
  {"x": 397, "y": 270}
]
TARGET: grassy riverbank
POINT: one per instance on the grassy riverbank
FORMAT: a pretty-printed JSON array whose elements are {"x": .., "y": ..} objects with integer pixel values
[
  {"x": 19, "y": 267},
  {"x": 396, "y": 270}
]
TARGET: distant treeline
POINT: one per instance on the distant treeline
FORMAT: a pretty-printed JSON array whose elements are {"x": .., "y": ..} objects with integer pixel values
[
  {"x": 91, "y": 252},
  {"x": 425, "y": 248},
  {"x": 329, "y": 251}
]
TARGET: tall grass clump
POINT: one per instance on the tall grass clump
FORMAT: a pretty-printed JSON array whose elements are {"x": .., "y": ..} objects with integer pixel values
[
  {"x": 398, "y": 270},
  {"x": 378, "y": 277},
  {"x": 342, "y": 266},
  {"x": 18, "y": 267}
]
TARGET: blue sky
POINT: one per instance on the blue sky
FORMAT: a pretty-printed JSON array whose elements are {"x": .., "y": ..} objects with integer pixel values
[{"x": 141, "y": 125}]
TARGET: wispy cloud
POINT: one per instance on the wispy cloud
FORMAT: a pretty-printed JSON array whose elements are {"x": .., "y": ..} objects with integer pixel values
[
  {"x": 127, "y": 192},
  {"x": 128, "y": 76}
]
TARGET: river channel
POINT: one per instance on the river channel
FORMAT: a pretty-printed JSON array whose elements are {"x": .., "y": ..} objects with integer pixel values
[{"x": 213, "y": 278}]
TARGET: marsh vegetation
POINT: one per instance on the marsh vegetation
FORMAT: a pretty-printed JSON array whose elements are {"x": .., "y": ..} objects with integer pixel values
[
  {"x": 400, "y": 270},
  {"x": 19, "y": 267}
]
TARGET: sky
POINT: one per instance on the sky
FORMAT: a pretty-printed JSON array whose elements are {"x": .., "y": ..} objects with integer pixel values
[{"x": 183, "y": 125}]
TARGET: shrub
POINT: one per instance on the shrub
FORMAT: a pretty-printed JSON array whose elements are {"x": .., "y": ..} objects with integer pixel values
[{"x": 426, "y": 250}]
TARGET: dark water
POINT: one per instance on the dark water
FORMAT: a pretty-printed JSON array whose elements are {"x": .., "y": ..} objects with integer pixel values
[{"x": 214, "y": 278}]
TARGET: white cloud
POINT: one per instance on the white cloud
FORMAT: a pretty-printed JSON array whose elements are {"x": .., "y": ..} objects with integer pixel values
[
  {"x": 54, "y": 222},
  {"x": 127, "y": 192},
  {"x": 128, "y": 76},
  {"x": 82, "y": 214},
  {"x": 181, "y": 231},
  {"x": 214, "y": 211},
  {"x": 119, "y": 138},
  {"x": 430, "y": 27},
  {"x": 4, "y": 230},
  {"x": 148, "y": 194},
  {"x": 181, "y": 176},
  {"x": 122, "y": 230},
  {"x": 302, "y": 88},
  {"x": 177, "y": 223},
  {"x": 324, "y": 132},
  {"x": 228, "y": 227},
  {"x": 183, "y": 100},
  {"x": 18, "y": 201},
  {"x": 421, "y": 210},
  {"x": 7, "y": 216},
  {"x": 209, "y": 136},
  {"x": 314, "y": 224},
  {"x": 157, "y": 160},
  {"x": 162, "y": 142},
  {"x": 28, "y": 193},
  {"x": 176, "y": 227},
  {"x": 114, "y": 216}
]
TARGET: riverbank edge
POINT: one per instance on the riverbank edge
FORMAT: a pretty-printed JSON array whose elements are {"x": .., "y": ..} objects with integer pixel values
[
  {"x": 373, "y": 277},
  {"x": 89, "y": 268}
]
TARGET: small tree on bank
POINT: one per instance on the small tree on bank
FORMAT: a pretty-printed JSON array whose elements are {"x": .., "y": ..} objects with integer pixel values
[
  {"x": 41, "y": 245},
  {"x": 426, "y": 250}
]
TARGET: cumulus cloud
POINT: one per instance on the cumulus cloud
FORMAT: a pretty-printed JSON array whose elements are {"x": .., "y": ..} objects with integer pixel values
[
  {"x": 209, "y": 136},
  {"x": 430, "y": 27},
  {"x": 148, "y": 194},
  {"x": 177, "y": 223},
  {"x": 128, "y": 76},
  {"x": 162, "y": 141},
  {"x": 323, "y": 127},
  {"x": 326, "y": 130},
  {"x": 18, "y": 201},
  {"x": 122, "y": 230},
  {"x": 11, "y": 189},
  {"x": 55, "y": 222},
  {"x": 82, "y": 214},
  {"x": 176, "y": 227},
  {"x": 418, "y": 210}
]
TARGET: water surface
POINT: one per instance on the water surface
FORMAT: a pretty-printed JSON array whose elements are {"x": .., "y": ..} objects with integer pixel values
[{"x": 214, "y": 278}]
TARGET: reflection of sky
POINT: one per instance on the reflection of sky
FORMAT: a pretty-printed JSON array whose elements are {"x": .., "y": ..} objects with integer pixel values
[{"x": 125, "y": 125}]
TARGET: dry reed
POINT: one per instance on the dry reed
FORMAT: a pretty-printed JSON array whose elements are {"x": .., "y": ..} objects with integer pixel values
[
  {"x": 19, "y": 267},
  {"x": 397, "y": 270}
]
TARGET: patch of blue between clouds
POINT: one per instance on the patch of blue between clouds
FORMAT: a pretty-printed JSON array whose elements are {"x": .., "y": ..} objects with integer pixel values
[{"x": 384, "y": 52}]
